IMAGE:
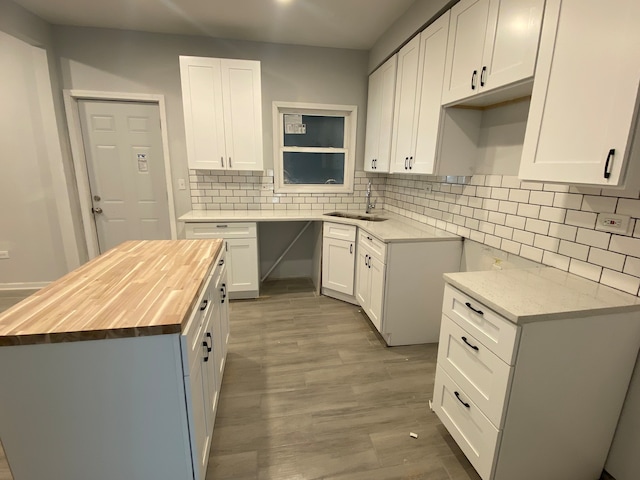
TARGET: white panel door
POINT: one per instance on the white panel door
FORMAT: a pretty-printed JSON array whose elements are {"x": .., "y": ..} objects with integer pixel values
[
  {"x": 338, "y": 265},
  {"x": 242, "y": 262},
  {"x": 125, "y": 164},
  {"x": 585, "y": 96},
  {"x": 511, "y": 44},
  {"x": 464, "y": 50},
  {"x": 242, "y": 99},
  {"x": 405, "y": 110},
  {"x": 433, "y": 52},
  {"x": 382, "y": 87}
]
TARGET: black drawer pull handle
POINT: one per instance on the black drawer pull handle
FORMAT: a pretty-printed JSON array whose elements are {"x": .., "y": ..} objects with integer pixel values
[
  {"x": 479, "y": 312},
  {"x": 222, "y": 226},
  {"x": 464, "y": 339},
  {"x": 204, "y": 344},
  {"x": 473, "y": 79},
  {"x": 607, "y": 172},
  {"x": 351, "y": 248},
  {"x": 482, "y": 76},
  {"x": 207, "y": 343},
  {"x": 204, "y": 305},
  {"x": 461, "y": 401}
]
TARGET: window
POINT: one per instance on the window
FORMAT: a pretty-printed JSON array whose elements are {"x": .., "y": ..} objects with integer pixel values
[{"x": 314, "y": 147}]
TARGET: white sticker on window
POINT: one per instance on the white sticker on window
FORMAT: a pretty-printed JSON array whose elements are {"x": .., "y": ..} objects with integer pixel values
[
  {"x": 293, "y": 125},
  {"x": 143, "y": 165}
]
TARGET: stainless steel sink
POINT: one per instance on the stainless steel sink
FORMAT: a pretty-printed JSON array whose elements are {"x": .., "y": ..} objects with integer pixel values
[{"x": 357, "y": 216}]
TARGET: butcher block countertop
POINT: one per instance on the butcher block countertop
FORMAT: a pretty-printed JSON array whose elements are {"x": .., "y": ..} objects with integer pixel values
[{"x": 138, "y": 288}]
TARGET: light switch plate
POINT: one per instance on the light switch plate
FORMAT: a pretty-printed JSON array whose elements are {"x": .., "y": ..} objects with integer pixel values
[
  {"x": 611, "y": 222},
  {"x": 182, "y": 184}
]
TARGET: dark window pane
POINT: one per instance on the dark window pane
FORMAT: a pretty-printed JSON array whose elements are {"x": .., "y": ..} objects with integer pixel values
[
  {"x": 313, "y": 168},
  {"x": 319, "y": 131}
]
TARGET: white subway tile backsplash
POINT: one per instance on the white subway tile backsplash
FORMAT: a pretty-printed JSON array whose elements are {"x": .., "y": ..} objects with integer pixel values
[
  {"x": 586, "y": 270},
  {"x": 555, "y": 260},
  {"x": 626, "y": 245},
  {"x": 546, "y": 243},
  {"x": 591, "y": 203},
  {"x": 541, "y": 198},
  {"x": 552, "y": 214},
  {"x": 632, "y": 266},
  {"x": 523, "y": 237},
  {"x": 527, "y": 210},
  {"x": 496, "y": 217},
  {"x": 531, "y": 253},
  {"x": 537, "y": 226},
  {"x": 628, "y": 207},
  {"x": 566, "y": 232},
  {"x": 511, "y": 247},
  {"x": 606, "y": 259},
  {"x": 555, "y": 187},
  {"x": 567, "y": 200},
  {"x": 621, "y": 281},
  {"x": 581, "y": 219},
  {"x": 521, "y": 196},
  {"x": 509, "y": 181},
  {"x": 593, "y": 238},
  {"x": 573, "y": 250},
  {"x": 531, "y": 185},
  {"x": 514, "y": 221}
]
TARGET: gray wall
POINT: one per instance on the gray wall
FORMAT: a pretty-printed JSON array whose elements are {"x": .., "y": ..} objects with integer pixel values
[
  {"x": 124, "y": 61},
  {"x": 420, "y": 14}
]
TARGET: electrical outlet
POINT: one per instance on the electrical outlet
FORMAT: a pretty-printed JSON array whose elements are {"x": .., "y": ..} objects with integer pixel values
[
  {"x": 428, "y": 188},
  {"x": 610, "y": 222},
  {"x": 4, "y": 254}
]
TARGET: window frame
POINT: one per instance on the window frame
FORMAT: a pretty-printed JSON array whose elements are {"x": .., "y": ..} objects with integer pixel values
[{"x": 350, "y": 115}]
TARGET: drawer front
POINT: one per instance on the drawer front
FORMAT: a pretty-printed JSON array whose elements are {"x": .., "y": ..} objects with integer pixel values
[
  {"x": 377, "y": 248},
  {"x": 339, "y": 231},
  {"x": 221, "y": 230},
  {"x": 193, "y": 335},
  {"x": 473, "y": 432},
  {"x": 492, "y": 330},
  {"x": 482, "y": 374}
]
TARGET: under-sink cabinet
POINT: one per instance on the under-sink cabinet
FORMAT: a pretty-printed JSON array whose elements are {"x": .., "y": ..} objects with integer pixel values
[
  {"x": 533, "y": 400},
  {"x": 241, "y": 244},
  {"x": 492, "y": 44},
  {"x": 338, "y": 260},
  {"x": 399, "y": 285},
  {"x": 583, "y": 117}
]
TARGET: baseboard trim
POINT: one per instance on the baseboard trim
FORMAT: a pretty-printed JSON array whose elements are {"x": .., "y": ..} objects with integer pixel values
[
  {"x": 14, "y": 289},
  {"x": 339, "y": 296}
]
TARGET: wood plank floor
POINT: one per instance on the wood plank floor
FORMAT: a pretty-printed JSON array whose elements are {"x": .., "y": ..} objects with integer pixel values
[{"x": 311, "y": 392}]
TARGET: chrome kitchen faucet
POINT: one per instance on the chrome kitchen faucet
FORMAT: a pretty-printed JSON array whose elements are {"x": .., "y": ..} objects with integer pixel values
[{"x": 368, "y": 199}]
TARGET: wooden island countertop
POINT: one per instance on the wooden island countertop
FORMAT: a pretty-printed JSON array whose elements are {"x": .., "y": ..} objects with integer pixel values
[{"x": 138, "y": 288}]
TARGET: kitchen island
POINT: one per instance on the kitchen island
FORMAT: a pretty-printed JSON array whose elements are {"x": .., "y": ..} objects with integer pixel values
[{"x": 113, "y": 371}]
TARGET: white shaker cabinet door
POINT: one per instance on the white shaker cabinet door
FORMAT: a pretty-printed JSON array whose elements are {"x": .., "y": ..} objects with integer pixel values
[
  {"x": 338, "y": 265},
  {"x": 433, "y": 52},
  {"x": 467, "y": 34},
  {"x": 376, "y": 295},
  {"x": 242, "y": 264},
  {"x": 585, "y": 95},
  {"x": 363, "y": 278},
  {"x": 511, "y": 43},
  {"x": 405, "y": 109},
  {"x": 203, "y": 116},
  {"x": 242, "y": 99},
  {"x": 382, "y": 88}
]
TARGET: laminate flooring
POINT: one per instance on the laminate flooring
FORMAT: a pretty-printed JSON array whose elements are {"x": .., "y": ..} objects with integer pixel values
[{"x": 310, "y": 391}]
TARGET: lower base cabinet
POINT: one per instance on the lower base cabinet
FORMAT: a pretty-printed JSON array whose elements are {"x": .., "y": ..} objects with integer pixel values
[
  {"x": 338, "y": 260},
  {"x": 534, "y": 401},
  {"x": 399, "y": 285},
  {"x": 121, "y": 408}
]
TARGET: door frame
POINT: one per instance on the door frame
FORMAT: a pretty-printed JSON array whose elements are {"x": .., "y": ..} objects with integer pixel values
[{"x": 71, "y": 98}]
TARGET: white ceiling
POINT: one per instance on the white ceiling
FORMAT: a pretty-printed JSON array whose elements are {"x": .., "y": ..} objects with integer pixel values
[{"x": 328, "y": 23}]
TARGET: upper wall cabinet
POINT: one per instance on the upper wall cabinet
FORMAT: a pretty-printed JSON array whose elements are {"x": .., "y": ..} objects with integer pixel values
[
  {"x": 585, "y": 95},
  {"x": 492, "y": 43},
  {"x": 382, "y": 89},
  {"x": 426, "y": 138},
  {"x": 222, "y": 103}
]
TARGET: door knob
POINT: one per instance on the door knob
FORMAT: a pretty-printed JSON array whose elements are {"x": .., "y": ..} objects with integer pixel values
[{"x": 96, "y": 210}]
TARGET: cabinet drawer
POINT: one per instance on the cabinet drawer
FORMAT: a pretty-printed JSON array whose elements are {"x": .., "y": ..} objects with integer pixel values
[
  {"x": 473, "y": 432},
  {"x": 481, "y": 373},
  {"x": 339, "y": 231},
  {"x": 221, "y": 230},
  {"x": 489, "y": 328},
  {"x": 193, "y": 335},
  {"x": 377, "y": 248}
]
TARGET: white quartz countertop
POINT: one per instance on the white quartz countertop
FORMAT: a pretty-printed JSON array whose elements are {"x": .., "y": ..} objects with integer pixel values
[
  {"x": 542, "y": 293},
  {"x": 395, "y": 229}
]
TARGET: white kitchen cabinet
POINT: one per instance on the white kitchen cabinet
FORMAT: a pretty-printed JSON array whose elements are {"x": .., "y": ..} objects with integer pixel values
[
  {"x": 399, "y": 285},
  {"x": 241, "y": 245},
  {"x": 338, "y": 260},
  {"x": 222, "y": 104},
  {"x": 583, "y": 116},
  {"x": 492, "y": 43},
  {"x": 533, "y": 400},
  {"x": 406, "y": 106},
  {"x": 380, "y": 102}
]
